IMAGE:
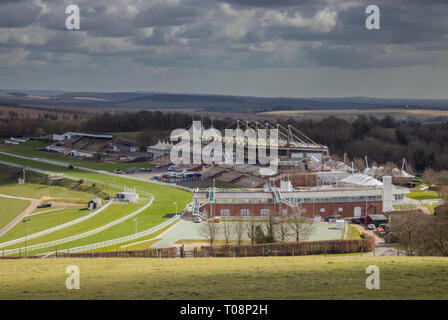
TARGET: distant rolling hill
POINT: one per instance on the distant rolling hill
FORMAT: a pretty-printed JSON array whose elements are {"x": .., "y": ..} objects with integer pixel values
[{"x": 206, "y": 102}]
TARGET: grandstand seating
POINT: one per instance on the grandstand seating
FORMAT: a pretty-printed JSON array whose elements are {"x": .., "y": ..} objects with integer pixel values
[
  {"x": 213, "y": 172},
  {"x": 230, "y": 176}
]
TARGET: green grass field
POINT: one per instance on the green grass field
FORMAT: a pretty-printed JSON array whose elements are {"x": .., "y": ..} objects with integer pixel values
[
  {"x": 277, "y": 278},
  {"x": 127, "y": 135},
  {"x": 31, "y": 147},
  {"x": 114, "y": 212},
  {"x": 161, "y": 209},
  {"x": 422, "y": 195},
  {"x": 36, "y": 191},
  {"x": 44, "y": 221},
  {"x": 11, "y": 208}
]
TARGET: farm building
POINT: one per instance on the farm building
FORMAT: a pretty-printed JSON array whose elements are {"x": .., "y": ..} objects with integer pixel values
[
  {"x": 15, "y": 141},
  {"x": 346, "y": 200}
]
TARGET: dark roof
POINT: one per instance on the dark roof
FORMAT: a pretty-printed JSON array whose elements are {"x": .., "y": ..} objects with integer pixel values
[{"x": 378, "y": 217}]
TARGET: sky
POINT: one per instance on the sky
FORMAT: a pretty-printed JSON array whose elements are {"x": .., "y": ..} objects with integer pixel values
[{"x": 294, "y": 48}]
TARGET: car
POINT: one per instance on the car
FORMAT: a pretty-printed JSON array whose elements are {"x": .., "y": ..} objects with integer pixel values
[
  {"x": 70, "y": 166},
  {"x": 130, "y": 171},
  {"x": 117, "y": 171},
  {"x": 329, "y": 218},
  {"x": 158, "y": 166},
  {"x": 197, "y": 220},
  {"x": 145, "y": 169},
  {"x": 371, "y": 226}
]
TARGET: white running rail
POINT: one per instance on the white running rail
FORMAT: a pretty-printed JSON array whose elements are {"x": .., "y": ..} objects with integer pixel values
[
  {"x": 56, "y": 228},
  {"x": 108, "y": 243},
  {"x": 78, "y": 236}
]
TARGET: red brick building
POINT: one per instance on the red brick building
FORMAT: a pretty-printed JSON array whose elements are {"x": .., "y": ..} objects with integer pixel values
[{"x": 314, "y": 202}]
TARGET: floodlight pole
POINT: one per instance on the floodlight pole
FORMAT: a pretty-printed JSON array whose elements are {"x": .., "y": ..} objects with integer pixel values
[
  {"x": 26, "y": 235},
  {"x": 136, "y": 224}
]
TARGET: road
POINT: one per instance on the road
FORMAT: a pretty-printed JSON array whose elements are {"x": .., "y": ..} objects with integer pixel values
[{"x": 381, "y": 247}]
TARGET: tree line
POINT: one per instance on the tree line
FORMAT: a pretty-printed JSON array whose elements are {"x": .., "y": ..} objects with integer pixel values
[
  {"x": 419, "y": 234},
  {"x": 382, "y": 140},
  {"x": 257, "y": 231}
]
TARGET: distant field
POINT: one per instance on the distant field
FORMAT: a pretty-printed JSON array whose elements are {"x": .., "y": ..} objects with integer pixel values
[
  {"x": 127, "y": 135},
  {"x": 30, "y": 149},
  {"x": 278, "y": 278},
  {"x": 421, "y": 114},
  {"x": 11, "y": 208}
]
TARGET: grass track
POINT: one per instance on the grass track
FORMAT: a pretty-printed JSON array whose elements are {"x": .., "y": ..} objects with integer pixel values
[
  {"x": 44, "y": 221},
  {"x": 11, "y": 208},
  {"x": 227, "y": 278},
  {"x": 30, "y": 149},
  {"x": 114, "y": 212},
  {"x": 164, "y": 195}
]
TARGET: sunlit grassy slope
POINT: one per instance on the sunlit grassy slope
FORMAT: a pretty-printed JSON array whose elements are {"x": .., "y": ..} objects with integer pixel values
[{"x": 226, "y": 278}]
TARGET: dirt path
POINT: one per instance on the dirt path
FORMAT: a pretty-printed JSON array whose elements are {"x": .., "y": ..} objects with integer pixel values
[{"x": 33, "y": 204}]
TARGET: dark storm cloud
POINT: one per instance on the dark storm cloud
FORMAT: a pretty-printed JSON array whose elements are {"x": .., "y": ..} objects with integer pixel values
[
  {"x": 273, "y": 3},
  {"x": 17, "y": 14},
  {"x": 177, "y": 36}
]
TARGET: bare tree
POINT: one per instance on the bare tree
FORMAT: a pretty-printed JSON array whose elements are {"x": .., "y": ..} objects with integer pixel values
[
  {"x": 238, "y": 230},
  {"x": 283, "y": 229},
  {"x": 268, "y": 229},
  {"x": 209, "y": 230},
  {"x": 251, "y": 230},
  {"x": 301, "y": 227},
  {"x": 405, "y": 228},
  {"x": 227, "y": 230}
]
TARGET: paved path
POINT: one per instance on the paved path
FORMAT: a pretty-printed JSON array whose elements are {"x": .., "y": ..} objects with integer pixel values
[{"x": 381, "y": 247}]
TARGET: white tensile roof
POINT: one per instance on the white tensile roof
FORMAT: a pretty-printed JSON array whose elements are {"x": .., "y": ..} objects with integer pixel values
[{"x": 362, "y": 180}]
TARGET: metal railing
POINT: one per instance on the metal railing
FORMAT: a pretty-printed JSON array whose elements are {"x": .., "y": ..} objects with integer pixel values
[
  {"x": 78, "y": 236},
  {"x": 56, "y": 228},
  {"x": 112, "y": 242}
]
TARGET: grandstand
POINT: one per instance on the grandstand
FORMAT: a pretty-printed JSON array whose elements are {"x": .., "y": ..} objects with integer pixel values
[{"x": 93, "y": 143}]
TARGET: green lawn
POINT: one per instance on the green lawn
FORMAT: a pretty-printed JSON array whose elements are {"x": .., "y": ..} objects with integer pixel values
[
  {"x": 31, "y": 147},
  {"x": 161, "y": 209},
  {"x": 11, "y": 208},
  {"x": 422, "y": 195},
  {"x": 127, "y": 135},
  {"x": 37, "y": 191},
  {"x": 114, "y": 212},
  {"x": 44, "y": 221},
  {"x": 277, "y": 278},
  {"x": 138, "y": 244}
]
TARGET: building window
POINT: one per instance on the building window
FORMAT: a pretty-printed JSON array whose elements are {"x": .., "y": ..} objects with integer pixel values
[
  {"x": 264, "y": 212},
  {"x": 322, "y": 210},
  {"x": 225, "y": 212},
  {"x": 245, "y": 212},
  {"x": 284, "y": 212},
  {"x": 340, "y": 209}
]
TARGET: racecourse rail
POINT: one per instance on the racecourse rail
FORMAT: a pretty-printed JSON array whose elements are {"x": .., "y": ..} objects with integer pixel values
[
  {"x": 78, "y": 236},
  {"x": 56, "y": 228},
  {"x": 107, "y": 243}
]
